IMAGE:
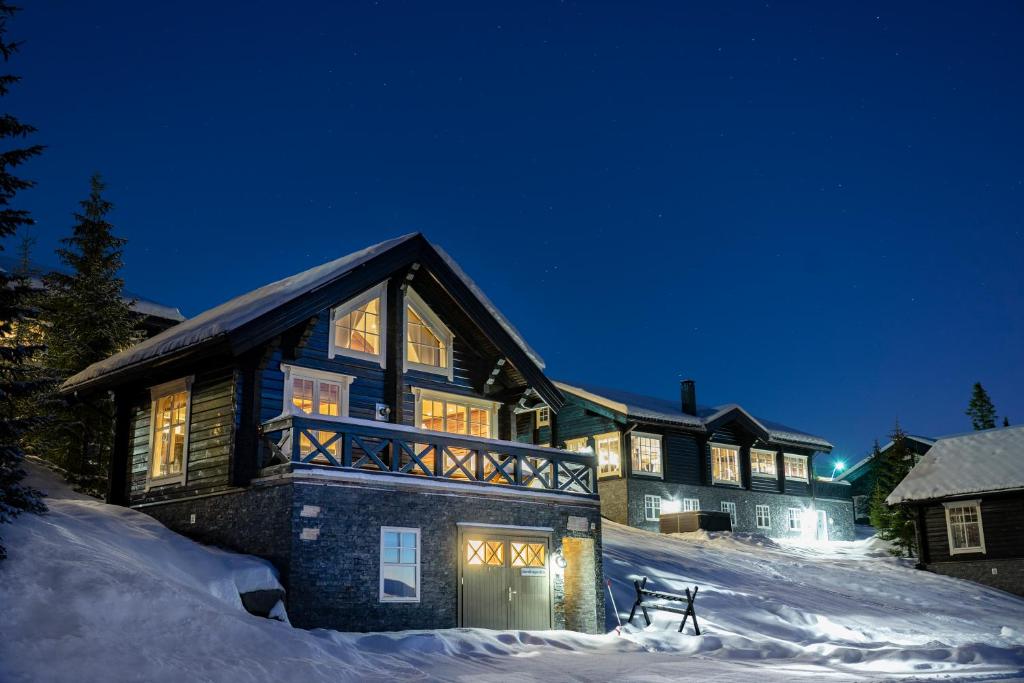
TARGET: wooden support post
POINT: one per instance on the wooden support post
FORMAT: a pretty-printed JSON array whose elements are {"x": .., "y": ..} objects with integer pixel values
[
  {"x": 394, "y": 384},
  {"x": 120, "y": 460}
]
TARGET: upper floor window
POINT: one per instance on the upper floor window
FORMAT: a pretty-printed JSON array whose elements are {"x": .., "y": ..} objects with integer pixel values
[
  {"x": 963, "y": 527},
  {"x": 796, "y": 467},
  {"x": 168, "y": 444},
  {"x": 440, "y": 412},
  {"x": 762, "y": 464},
  {"x": 576, "y": 445},
  {"x": 609, "y": 456},
  {"x": 358, "y": 325},
  {"x": 428, "y": 342},
  {"x": 725, "y": 464},
  {"x": 646, "y": 450},
  {"x": 543, "y": 417},
  {"x": 315, "y": 392}
]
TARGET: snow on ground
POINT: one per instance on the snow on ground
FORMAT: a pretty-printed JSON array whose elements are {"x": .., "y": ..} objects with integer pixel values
[{"x": 98, "y": 593}]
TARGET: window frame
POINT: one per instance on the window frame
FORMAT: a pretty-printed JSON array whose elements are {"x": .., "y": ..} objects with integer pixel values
[
  {"x": 436, "y": 326},
  {"x": 292, "y": 372},
  {"x": 736, "y": 454},
  {"x": 973, "y": 550},
  {"x": 798, "y": 517},
  {"x": 660, "y": 474},
  {"x": 421, "y": 394},
  {"x": 692, "y": 503},
  {"x": 774, "y": 459},
  {"x": 182, "y": 384},
  {"x": 544, "y": 421},
  {"x": 577, "y": 445},
  {"x": 381, "y": 291},
  {"x": 608, "y": 436},
  {"x": 793, "y": 456},
  {"x": 730, "y": 507},
  {"x": 767, "y": 516},
  {"x": 648, "y": 499},
  {"x": 382, "y": 563}
]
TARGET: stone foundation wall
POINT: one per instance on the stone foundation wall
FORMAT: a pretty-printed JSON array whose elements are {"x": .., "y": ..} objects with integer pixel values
[{"x": 1008, "y": 576}]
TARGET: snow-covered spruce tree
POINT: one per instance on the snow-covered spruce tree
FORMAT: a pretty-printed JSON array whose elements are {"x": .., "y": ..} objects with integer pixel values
[
  {"x": 893, "y": 523},
  {"x": 980, "y": 409},
  {"x": 16, "y": 376},
  {"x": 87, "y": 321}
]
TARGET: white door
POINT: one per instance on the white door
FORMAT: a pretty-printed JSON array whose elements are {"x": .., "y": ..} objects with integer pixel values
[{"x": 822, "y": 531}]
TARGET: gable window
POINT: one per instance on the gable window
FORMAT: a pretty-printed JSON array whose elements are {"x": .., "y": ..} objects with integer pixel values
[
  {"x": 318, "y": 394},
  {"x": 168, "y": 443},
  {"x": 358, "y": 326},
  {"x": 543, "y": 417},
  {"x": 725, "y": 464},
  {"x": 796, "y": 467},
  {"x": 964, "y": 528},
  {"x": 731, "y": 509},
  {"x": 763, "y": 515},
  {"x": 646, "y": 449},
  {"x": 794, "y": 519},
  {"x": 762, "y": 464},
  {"x": 399, "y": 564},
  {"x": 652, "y": 508},
  {"x": 609, "y": 456},
  {"x": 428, "y": 342}
]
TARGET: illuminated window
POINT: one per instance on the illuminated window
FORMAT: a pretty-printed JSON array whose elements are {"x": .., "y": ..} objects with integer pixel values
[
  {"x": 399, "y": 564},
  {"x": 358, "y": 325},
  {"x": 691, "y": 505},
  {"x": 646, "y": 450},
  {"x": 528, "y": 554},
  {"x": 428, "y": 342},
  {"x": 543, "y": 417},
  {"x": 731, "y": 509},
  {"x": 576, "y": 445},
  {"x": 652, "y": 508},
  {"x": 794, "y": 519},
  {"x": 963, "y": 527},
  {"x": 169, "y": 436},
  {"x": 491, "y": 553},
  {"x": 725, "y": 464},
  {"x": 440, "y": 412},
  {"x": 762, "y": 463},
  {"x": 609, "y": 457},
  {"x": 318, "y": 394},
  {"x": 763, "y": 515},
  {"x": 796, "y": 467}
]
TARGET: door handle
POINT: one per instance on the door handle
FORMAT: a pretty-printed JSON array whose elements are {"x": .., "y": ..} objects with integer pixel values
[{"x": 511, "y": 593}]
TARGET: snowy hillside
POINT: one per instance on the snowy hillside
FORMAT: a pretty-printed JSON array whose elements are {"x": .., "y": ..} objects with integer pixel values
[{"x": 93, "y": 592}]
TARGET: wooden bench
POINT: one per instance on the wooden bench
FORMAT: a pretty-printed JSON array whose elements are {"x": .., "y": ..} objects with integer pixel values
[{"x": 642, "y": 593}]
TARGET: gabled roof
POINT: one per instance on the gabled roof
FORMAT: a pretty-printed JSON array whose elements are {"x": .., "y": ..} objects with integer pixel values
[
  {"x": 853, "y": 472},
  {"x": 658, "y": 410},
  {"x": 231, "y": 316},
  {"x": 977, "y": 462}
]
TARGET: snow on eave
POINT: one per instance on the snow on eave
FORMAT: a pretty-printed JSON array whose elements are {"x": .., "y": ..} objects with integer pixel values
[{"x": 594, "y": 398}]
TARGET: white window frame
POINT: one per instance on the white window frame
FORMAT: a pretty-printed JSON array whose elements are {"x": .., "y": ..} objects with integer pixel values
[
  {"x": 608, "y": 437},
  {"x": 690, "y": 505},
  {"x": 543, "y": 417},
  {"x": 802, "y": 458},
  {"x": 649, "y": 501},
  {"x": 976, "y": 503},
  {"x": 775, "y": 463},
  {"x": 730, "y": 507},
  {"x": 660, "y": 474},
  {"x": 340, "y": 310},
  {"x": 435, "y": 324},
  {"x": 158, "y": 392},
  {"x": 421, "y": 394},
  {"x": 578, "y": 445},
  {"x": 316, "y": 376},
  {"x": 419, "y": 562},
  {"x": 767, "y": 516},
  {"x": 791, "y": 517},
  {"x": 736, "y": 454}
]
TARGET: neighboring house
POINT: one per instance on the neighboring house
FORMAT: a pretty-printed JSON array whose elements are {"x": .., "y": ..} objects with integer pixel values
[
  {"x": 152, "y": 317},
  {"x": 657, "y": 456},
  {"x": 861, "y": 475},
  {"x": 968, "y": 499},
  {"x": 355, "y": 425}
]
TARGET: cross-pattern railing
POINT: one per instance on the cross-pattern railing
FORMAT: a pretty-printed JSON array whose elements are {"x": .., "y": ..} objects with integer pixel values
[{"x": 398, "y": 449}]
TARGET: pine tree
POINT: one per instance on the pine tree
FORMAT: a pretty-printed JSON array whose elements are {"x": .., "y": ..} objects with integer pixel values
[
  {"x": 893, "y": 523},
  {"x": 16, "y": 381},
  {"x": 980, "y": 409},
  {"x": 87, "y": 321}
]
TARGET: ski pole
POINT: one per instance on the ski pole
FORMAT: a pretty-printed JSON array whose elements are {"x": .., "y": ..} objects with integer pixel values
[{"x": 615, "y": 609}]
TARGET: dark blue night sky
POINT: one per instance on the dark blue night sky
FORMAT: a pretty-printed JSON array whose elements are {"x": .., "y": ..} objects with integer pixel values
[{"x": 814, "y": 210}]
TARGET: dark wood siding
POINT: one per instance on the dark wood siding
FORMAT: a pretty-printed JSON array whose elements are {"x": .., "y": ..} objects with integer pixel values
[
  {"x": 682, "y": 458},
  {"x": 762, "y": 482},
  {"x": 1002, "y": 519},
  {"x": 795, "y": 487},
  {"x": 575, "y": 421}
]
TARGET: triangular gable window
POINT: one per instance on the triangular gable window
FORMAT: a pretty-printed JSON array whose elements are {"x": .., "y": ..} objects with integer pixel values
[
  {"x": 428, "y": 342},
  {"x": 358, "y": 326}
]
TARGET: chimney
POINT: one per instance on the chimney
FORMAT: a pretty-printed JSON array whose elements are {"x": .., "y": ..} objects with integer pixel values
[{"x": 688, "y": 394}]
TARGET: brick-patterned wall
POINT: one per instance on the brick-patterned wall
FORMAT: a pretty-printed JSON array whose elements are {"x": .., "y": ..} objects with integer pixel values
[{"x": 1009, "y": 574}]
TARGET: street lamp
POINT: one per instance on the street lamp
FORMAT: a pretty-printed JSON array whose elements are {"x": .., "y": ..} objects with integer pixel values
[{"x": 840, "y": 466}]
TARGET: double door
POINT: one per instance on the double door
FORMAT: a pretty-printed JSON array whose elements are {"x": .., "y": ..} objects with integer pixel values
[{"x": 504, "y": 581}]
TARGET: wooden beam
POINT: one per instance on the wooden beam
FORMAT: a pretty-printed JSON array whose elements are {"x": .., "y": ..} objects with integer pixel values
[
  {"x": 120, "y": 459},
  {"x": 488, "y": 385},
  {"x": 394, "y": 379}
]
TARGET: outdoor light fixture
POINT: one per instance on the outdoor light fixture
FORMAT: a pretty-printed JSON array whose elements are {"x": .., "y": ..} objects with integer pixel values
[
  {"x": 840, "y": 466},
  {"x": 560, "y": 561}
]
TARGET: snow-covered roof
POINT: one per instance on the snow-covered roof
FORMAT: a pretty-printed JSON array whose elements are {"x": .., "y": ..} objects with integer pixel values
[
  {"x": 966, "y": 464},
  {"x": 654, "y": 409},
  {"x": 243, "y": 309}
]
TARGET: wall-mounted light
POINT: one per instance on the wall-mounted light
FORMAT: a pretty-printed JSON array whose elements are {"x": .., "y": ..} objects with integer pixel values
[{"x": 560, "y": 561}]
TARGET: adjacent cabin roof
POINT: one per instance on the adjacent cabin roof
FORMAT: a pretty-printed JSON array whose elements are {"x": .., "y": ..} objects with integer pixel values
[
  {"x": 224, "y": 319},
  {"x": 138, "y": 304},
  {"x": 977, "y": 462},
  {"x": 659, "y": 410},
  {"x": 856, "y": 470}
]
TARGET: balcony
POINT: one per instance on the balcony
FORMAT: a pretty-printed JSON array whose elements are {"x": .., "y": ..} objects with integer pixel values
[{"x": 400, "y": 450}]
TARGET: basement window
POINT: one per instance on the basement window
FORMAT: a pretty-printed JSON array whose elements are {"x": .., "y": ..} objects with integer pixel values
[
  {"x": 652, "y": 508},
  {"x": 794, "y": 519},
  {"x": 399, "y": 564},
  {"x": 730, "y": 507},
  {"x": 963, "y": 527},
  {"x": 763, "y": 515}
]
